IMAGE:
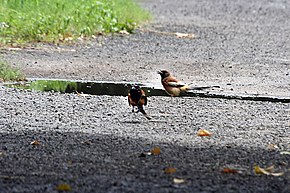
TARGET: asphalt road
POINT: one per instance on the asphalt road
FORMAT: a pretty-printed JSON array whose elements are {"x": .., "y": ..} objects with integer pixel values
[{"x": 95, "y": 143}]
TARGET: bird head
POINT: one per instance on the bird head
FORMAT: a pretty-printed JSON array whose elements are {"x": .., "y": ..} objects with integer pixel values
[
  {"x": 163, "y": 73},
  {"x": 135, "y": 92},
  {"x": 135, "y": 87}
]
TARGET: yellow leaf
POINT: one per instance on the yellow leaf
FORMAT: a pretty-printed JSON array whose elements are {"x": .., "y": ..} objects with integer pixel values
[
  {"x": 63, "y": 187},
  {"x": 259, "y": 170},
  {"x": 170, "y": 170},
  {"x": 203, "y": 133},
  {"x": 178, "y": 181},
  {"x": 155, "y": 151},
  {"x": 267, "y": 171},
  {"x": 35, "y": 142}
]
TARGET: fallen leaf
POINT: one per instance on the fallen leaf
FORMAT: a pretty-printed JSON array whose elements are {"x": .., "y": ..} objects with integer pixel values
[
  {"x": 82, "y": 94},
  {"x": 203, "y": 133},
  {"x": 155, "y": 151},
  {"x": 87, "y": 142},
  {"x": 184, "y": 35},
  {"x": 230, "y": 171},
  {"x": 14, "y": 49},
  {"x": 267, "y": 171},
  {"x": 270, "y": 168},
  {"x": 178, "y": 180},
  {"x": 259, "y": 170},
  {"x": 285, "y": 152},
  {"x": 68, "y": 39},
  {"x": 35, "y": 142},
  {"x": 277, "y": 174},
  {"x": 273, "y": 146},
  {"x": 63, "y": 187},
  {"x": 170, "y": 170},
  {"x": 124, "y": 32}
]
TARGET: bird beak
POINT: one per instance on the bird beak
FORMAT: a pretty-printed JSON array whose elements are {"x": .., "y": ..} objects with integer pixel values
[{"x": 159, "y": 72}]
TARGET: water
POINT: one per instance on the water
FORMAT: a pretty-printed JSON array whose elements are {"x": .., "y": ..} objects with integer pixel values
[
  {"x": 86, "y": 87},
  {"x": 122, "y": 88}
]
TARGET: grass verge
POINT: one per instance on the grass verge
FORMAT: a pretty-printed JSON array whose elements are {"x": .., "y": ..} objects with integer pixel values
[
  {"x": 7, "y": 73},
  {"x": 23, "y": 21}
]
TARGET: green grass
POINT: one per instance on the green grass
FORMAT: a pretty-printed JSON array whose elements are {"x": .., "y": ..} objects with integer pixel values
[
  {"x": 23, "y": 21},
  {"x": 56, "y": 85},
  {"x": 7, "y": 73}
]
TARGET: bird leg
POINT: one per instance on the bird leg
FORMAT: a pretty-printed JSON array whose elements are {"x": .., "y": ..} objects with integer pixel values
[{"x": 140, "y": 109}]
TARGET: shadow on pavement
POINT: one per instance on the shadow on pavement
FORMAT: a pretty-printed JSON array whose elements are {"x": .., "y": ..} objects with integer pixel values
[{"x": 107, "y": 163}]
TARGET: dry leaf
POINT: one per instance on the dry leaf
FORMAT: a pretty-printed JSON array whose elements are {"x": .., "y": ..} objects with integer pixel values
[
  {"x": 178, "y": 180},
  {"x": 273, "y": 146},
  {"x": 87, "y": 142},
  {"x": 170, "y": 170},
  {"x": 203, "y": 133},
  {"x": 259, "y": 170},
  {"x": 35, "y": 142},
  {"x": 82, "y": 94},
  {"x": 230, "y": 171},
  {"x": 183, "y": 35},
  {"x": 270, "y": 168},
  {"x": 68, "y": 39},
  {"x": 277, "y": 174},
  {"x": 155, "y": 151},
  {"x": 267, "y": 171},
  {"x": 63, "y": 187},
  {"x": 124, "y": 32},
  {"x": 285, "y": 152}
]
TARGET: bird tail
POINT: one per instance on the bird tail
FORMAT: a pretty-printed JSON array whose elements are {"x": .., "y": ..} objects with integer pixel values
[
  {"x": 140, "y": 108},
  {"x": 188, "y": 88}
]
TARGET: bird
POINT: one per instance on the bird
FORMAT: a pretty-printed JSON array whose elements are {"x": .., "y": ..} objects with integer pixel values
[
  {"x": 137, "y": 97},
  {"x": 172, "y": 86}
]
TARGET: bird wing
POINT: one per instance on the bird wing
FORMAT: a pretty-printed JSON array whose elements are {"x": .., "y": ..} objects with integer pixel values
[
  {"x": 173, "y": 82},
  {"x": 143, "y": 100},
  {"x": 176, "y": 84}
]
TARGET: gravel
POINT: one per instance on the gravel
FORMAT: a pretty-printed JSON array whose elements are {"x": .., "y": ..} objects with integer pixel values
[{"x": 95, "y": 143}]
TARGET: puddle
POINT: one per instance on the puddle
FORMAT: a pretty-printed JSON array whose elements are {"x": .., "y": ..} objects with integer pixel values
[
  {"x": 122, "y": 88},
  {"x": 85, "y": 87}
]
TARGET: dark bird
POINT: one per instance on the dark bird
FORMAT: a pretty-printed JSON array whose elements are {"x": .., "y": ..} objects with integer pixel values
[
  {"x": 137, "y": 97},
  {"x": 171, "y": 85}
]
